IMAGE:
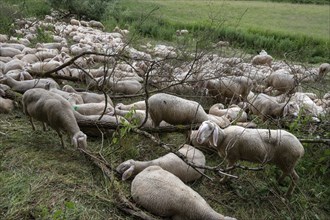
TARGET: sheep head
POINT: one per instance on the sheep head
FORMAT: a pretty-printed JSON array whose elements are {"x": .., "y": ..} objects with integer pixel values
[
  {"x": 208, "y": 132},
  {"x": 126, "y": 169},
  {"x": 79, "y": 140},
  {"x": 291, "y": 108}
]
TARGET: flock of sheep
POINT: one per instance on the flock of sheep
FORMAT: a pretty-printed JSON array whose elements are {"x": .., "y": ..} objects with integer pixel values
[{"x": 261, "y": 87}]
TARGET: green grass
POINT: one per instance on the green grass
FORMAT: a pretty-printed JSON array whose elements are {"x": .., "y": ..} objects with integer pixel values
[
  {"x": 41, "y": 180},
  {"x": 308, "y": 20},
  {"x": 291, "y": 31}
]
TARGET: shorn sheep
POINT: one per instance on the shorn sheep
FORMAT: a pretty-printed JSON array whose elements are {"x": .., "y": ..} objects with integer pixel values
[
  {"x": 55, "y": 111},
  {"x": 170, "y": 162},
  {"x": 175, "y": 110},
  {"x": 165, "y": 195},
  {"x": 263, "y": 146}
]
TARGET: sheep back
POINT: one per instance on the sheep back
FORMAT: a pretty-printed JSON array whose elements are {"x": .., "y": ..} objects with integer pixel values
[
  {"x": 175, "y": 110},
  {"x": 164, "y": 194}
]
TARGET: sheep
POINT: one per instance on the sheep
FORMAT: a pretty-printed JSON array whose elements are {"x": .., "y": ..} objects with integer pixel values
[
  {"x": 221, "y": 121},
  {"x": 139, "y": 105},
  {"x": 169, "y": 162},
  {"x": 307, "y": 105},
  {"x": 262, "y": 58},
  {"x": 89, "y": 97},
  {"x": 14, "y": 64},
  {"x": 263, "y": 146},
  {"x": 74, "y": 22},
  {"x": 127, "y": 87},
  {"x": 233, "y": 112},
  {"x": 231, "y": 87},
  {"x": 96, "y": 24},
  {"x": 175, "y": 110},
  {"x": 165, "y": 195},
  {"x": 22, "y": 86},
  {"x": 266, "y": 106},
  {"x": 94, "y": 108},
  {"x": 9, "y": 51},
  {"x": 282, "y": 81},
  {"x": 6, "y": 105},
  {"x": 42, "y": 67},
  {"x": 135, "y": 116},
  {"x": 55, "y": 111},
  {"x": 323, "y": 70},
  {"x": 182, "y": 32},
  {"x": 73, "y": 98}
]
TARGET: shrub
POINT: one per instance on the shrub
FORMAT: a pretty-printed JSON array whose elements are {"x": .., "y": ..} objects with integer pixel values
[{"x": 90, "y": 9}]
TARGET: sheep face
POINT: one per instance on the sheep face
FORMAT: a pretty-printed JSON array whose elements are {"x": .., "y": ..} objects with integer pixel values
[
  {"x": 208, "y": 132},
  {"x": 291, "y": 108}
]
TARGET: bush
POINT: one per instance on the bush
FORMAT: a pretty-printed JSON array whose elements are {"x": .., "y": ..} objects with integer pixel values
[{"x": 89, "y": 9}]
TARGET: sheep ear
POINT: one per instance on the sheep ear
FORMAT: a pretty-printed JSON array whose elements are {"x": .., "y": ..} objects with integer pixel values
[
  {"x": 128, "y": 173},
  {"x": 215, "y": 138},
  {"x": 286, "y": 110}
]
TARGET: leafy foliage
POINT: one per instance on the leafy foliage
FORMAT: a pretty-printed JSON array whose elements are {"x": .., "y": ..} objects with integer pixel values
[{"x": 90, "y": 9}]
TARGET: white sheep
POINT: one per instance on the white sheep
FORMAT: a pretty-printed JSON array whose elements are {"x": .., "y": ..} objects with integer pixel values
[
  {"x": 267, "y": 106},
  {"x": 282, "y": 81},
  {"x": 233, "y": 112},
  {"x": 55, "y": 111},
  {"x": 170, "y": 162},
  {"x": 9, "y": 51},
  {"x": 231, "y": 87},
  {"x": 307, "y": 105},
  {"x": 324, "y": 69},
  {"x": 175, "y": 110},
  {"x": 94, "y": 108},
  {"x": 6, "y": 105},
  {"x": 89, "y": 97},
  {"x": 165, "y": 195},
  {"x": 96, "y": 24},
  {"x": 139, "y": 105},
  {"x": 262, "y": 58},
  {"x": 22, "y": 86},
  {"x": 263, "y": 146}
]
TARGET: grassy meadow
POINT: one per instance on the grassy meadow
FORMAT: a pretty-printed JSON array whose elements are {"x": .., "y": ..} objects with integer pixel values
[{"x": 298, "y": 32}]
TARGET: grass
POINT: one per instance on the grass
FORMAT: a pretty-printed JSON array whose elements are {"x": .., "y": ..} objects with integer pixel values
[
  {"x": 41, "y": 180},
  {"x": 291, "y": 31},
  {"x": 296, "y": 19}
]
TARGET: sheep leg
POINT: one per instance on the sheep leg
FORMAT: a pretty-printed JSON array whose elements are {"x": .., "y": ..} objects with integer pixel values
[
  {"x": 281, "y": 178},
  {"x": 33, "y": 126},
  {"x": 61, "y": 137},
  {"x": 224, "y": 179},
  {"x": 294, "y": 179}
]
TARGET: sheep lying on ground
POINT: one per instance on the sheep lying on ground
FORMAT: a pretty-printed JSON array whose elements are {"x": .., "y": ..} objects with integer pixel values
[
  {"x": 175, "y": 110},
  {"x": 235, "y": 143},
  {"x": 307, "y": 105},
  {"x": 170, "y": 162},
  {"x": 22, "y": 86},
  {"x": 89, "y": 97},
  {"x": 282, "y": 81},
  {"x": 139, "y": 105},
  {"x": 94, "y": 108},
  {"x": 233, "y": 112},
  {"x": 6, "y": 105},
  {"x": 164, "y": 194},
  {"x": 262, "y": 58},
  {"x": 55, "y": 111},
  {"x": 266, "y": 106},
  {"x": 231, "y": 87}
]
